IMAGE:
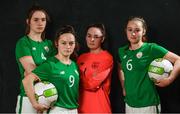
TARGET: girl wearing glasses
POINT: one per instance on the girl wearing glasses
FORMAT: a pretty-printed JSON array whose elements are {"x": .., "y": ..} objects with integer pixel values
[{"x": 95, "y": 73}]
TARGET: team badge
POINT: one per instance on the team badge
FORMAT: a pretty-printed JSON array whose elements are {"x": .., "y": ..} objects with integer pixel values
[
  {"x": 46, "y": 48},
  {"x": 139, "y": 55},
  {"x": 34, "y": 48},
  {"x": 95, "y": 65}
]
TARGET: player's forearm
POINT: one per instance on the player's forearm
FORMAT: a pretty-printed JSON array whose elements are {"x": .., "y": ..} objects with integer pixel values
[
  {"x": 121, "y": 77},
  {"x": 28, "y": 64},
  {"x": 176, "y": 70},
  {"x": 29, "y": 88},
  {"x": 29, "y": 69},
  {"x": 175, "y": 59}
]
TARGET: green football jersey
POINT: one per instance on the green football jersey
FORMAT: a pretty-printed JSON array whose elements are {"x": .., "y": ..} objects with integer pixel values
[
  {"x": 39, "y": 51},
  {"x": 64, "y": 77},
  {"x": 140, "y": 90}
]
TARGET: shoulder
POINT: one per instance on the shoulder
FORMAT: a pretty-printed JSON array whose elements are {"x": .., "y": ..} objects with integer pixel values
[
  {"x": 107, "y": 55},
  {"x": 22, "y": 40},
  {"x": 122, "y": 51},
  {"x": 84, "y": 55},
  {"x": 125, "y": 47},
  {"x": 74, "y": 63},
  {"x": 49, "y": 42},
  {"x": 22, "y": 43},
  {"x": 151, "y": 44},
  {"x": 106, "y": 58},
  {"x": 52, "y": 60}
]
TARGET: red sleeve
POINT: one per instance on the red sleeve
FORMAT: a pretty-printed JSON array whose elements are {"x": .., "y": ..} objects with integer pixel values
[{"x": 94, "y": 83}]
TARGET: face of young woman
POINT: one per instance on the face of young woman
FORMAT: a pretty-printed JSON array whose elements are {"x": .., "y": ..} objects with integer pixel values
[
  {"x": 66, "y": 44},
  {"x": 135, "y": 31},
  {"x": 94, "y": 38},
  {"x": 38, "y": 22}
]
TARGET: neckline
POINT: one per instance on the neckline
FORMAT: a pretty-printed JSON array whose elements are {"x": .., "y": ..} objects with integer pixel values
[
  {"x": 62, "y": 62},
  {"x": 102, "y": 51},
  {"x": 137, "y": 48},
  {"x": 33, "y": 40}
]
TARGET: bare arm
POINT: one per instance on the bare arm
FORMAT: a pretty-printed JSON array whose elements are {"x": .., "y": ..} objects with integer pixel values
[
  {"x": 121, "y": 78},
  {"x": 28, "y": 82},
  {"x": 175, "y": 59},
  {"x": 28, "y": 64}
]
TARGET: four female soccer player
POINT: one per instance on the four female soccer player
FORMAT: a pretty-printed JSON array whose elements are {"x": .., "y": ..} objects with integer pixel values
[{"x": 38, "y": 60}]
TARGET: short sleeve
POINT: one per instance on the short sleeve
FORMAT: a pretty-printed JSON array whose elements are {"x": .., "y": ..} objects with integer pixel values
[
  {"x": 22, "y": 49},
  {"x": 158, "y": 51}
]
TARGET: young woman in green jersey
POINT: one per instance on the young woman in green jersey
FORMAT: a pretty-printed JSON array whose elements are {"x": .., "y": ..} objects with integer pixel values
[
  {"x": 32, "y": 50},
  {"x": 139, "y": 91},
  {"x": 61, "y": 71}
]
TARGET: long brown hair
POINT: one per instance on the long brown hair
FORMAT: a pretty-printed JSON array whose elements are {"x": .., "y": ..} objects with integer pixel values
[{"x": 31, "y": 11}]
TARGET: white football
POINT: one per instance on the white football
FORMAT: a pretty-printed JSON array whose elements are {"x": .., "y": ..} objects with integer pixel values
[
  {"x": 45, "y": 93},
  {"x": 159, "y": 68}
]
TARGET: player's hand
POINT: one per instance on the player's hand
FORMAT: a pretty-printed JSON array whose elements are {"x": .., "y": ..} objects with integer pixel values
[
  {"x": 163, "y": 82},
  {"x": 40, "y": 108}
]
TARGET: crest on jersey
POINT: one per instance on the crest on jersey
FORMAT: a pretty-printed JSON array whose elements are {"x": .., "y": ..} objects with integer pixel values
[
  {"x": 139, "y": 55},
  {"x": 46, "y": 48},
  {"x": 95, "y": 65}
]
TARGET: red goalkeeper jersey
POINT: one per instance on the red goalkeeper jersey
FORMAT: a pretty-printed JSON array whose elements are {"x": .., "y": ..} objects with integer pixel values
[{"x": 95, "y": 80}]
